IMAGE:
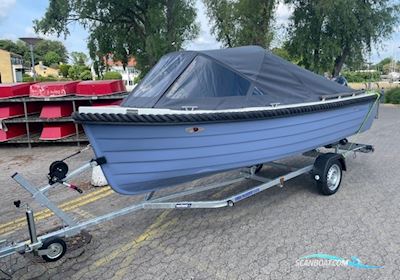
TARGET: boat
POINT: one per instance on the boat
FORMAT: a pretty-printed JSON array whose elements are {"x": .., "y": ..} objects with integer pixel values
[{"x": 198, "y": 113}]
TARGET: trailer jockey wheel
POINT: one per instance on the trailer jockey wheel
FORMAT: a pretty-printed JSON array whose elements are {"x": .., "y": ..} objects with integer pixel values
[{"x": 55, "y": 249}]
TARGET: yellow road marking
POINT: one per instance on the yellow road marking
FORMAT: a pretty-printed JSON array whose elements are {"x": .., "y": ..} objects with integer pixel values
[
  {"x": 133, "y": 245},
  {"x": 152, "y": 230},
  {"x": 83, "y": 213},
  {"x": 46, "y": 213}
]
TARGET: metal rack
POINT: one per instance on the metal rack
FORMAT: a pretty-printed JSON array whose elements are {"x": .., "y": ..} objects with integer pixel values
[{"x": 29, "y": 118}]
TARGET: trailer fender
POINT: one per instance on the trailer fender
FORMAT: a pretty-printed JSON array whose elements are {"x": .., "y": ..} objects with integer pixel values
[{"x": 323, "y": 161}]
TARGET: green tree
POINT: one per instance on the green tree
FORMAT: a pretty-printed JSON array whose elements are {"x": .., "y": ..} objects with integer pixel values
[
  {"x": 79, "y": 58},
  {"x": 242, "y": 22},
  {"x": 327, "y": 34},
  {"x": 18, "y": 47},
  {"x": 45, "y": 46},
  {"x": 50, "y": 58},
  {"x": 112, "y": 76},
  {"x": 142, "y": 28},
  {"x": 282, "y": 52},
  {"x": 75, "y": 71},
  {"x": 85, "y": 75},
  {"x": 64, "y": 70}
]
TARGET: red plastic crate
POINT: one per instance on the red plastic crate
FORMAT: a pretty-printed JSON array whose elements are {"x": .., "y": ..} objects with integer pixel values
[
  {"x": 11, "y": 110},
  {"x": 57, "y": 131},
  {"x": 13, "y": 131},
  {"x": 14, "y": 90},
  {"x": 56, "y": 110},
  {"x": 53, "y": 89},
  {"x": 104, "y": 87}
]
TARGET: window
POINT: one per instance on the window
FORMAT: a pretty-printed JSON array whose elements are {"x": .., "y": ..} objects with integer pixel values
[
  {"x": 206, "y": 78},
  {"x": 160, "y": 77}
]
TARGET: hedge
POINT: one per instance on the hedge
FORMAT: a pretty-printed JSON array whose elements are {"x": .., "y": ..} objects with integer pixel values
[
  {"x": 361, "y": 77},
  {"x": 112, "y": 76},
  {"x": 393, "y": 96}
]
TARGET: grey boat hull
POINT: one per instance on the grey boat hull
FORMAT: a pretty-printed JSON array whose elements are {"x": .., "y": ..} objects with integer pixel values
[{"x": 143, "y": 158}]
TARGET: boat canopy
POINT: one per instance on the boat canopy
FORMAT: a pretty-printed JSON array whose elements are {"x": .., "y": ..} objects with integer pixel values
[{"x": 231, "y": 78}]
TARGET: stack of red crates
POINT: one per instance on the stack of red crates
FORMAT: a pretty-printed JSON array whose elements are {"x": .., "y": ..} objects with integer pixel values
[
  {"x": 12, "y": 110},
  {"x": 52, "y": 108}
]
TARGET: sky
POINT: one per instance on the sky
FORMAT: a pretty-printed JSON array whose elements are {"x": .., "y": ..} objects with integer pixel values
[{"x": 16, "y": 18}]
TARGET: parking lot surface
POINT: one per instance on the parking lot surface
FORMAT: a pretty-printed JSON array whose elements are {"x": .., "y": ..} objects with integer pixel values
[{"x": 262, "y": 237}]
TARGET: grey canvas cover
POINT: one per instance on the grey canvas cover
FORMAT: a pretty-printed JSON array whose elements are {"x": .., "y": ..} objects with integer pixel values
[{"x": 239, "y": 77}]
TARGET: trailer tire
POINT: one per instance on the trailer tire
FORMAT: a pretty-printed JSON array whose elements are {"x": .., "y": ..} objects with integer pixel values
[
  {"x": 57, "y": 247},
  {"x": 328, "y": 172}
]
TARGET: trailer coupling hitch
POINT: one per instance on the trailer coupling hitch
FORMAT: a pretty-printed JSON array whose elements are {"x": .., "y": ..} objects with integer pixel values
[{"x": 57, "y": 172}]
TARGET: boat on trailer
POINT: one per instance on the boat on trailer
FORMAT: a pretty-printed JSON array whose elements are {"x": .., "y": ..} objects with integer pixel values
[
  {"x": 202, "y": 112},
  {"x": 175, "y": 127}
]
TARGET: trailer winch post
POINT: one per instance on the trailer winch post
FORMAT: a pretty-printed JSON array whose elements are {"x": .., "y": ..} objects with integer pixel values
[{"x": 30, "y": 219}]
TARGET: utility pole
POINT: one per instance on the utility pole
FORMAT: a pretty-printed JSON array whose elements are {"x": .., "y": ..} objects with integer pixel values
[{"x": 31, "y": 41}]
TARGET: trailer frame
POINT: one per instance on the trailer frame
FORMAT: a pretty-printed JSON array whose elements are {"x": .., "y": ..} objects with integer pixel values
[{"x": 71, "y": 227}]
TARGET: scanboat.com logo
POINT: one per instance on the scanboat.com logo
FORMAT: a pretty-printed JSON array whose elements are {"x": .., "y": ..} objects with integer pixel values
[{"x": 329, "y": 260}]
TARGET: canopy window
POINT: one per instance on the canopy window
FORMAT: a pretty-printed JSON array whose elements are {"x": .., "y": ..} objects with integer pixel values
[{"x": 226, "y": 79}]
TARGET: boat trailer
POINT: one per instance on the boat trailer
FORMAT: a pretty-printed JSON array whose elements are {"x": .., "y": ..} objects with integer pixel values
[{"x": 326, "y": 170}]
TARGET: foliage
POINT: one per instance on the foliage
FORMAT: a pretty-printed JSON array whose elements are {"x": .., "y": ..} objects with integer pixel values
[
  {"x": 64, "y": 70},
  {"x": 50, "y": 58},
  {"x": 79, "y": 58},
  {"x": 282, "y": 52},
  {"x": 43, "y": 47},
  {"x": 386, "y": 60},
  {"x": 327, "y": 34},
  {"x": 47, "y": 79},
  {"x": 137, "y": 79},
  {"x": 112, "y": 76},
  {"x": 45, "y": 50},
  {"x": 361, "y": 77},
  {"x": 18, "y": 47},
  {"x": 27, "y": 78},
  {"x": 75, "y": 71},
  {"x": 393, "y": 96},
  {"x": 140, "y": 28},
  {"x": 85, "y": 75},
  {"x": 242, "y": 22}
]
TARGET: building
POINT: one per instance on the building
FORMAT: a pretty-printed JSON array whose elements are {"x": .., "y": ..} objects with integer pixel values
[
  {"x": 128, "y": 74},
  {"x": 45, "y": 71},
  {"x": 11, "y": 67}
]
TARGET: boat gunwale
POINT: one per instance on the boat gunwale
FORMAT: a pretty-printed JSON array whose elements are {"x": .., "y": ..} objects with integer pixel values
[{"x": 142, "y": 116}]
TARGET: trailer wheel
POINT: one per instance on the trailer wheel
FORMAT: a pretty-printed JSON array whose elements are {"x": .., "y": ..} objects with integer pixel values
[
  {"x": 331, "y": 179},
  {"x": 56, "y": 249}
]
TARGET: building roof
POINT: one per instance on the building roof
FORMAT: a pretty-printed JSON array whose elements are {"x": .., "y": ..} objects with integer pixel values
[
  {"x": 11, "y": 53},
  {"x": 110, "y": 61}
]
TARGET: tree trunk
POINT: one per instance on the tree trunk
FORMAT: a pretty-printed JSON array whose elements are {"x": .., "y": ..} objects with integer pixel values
[
  {"x": 339, "y": 61},
  {"x": 316, "y": 59}
]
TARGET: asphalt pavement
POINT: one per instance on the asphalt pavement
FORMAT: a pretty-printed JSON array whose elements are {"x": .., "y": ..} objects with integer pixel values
[{"x": 263, "y": 237}]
